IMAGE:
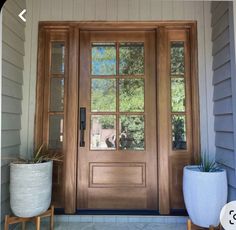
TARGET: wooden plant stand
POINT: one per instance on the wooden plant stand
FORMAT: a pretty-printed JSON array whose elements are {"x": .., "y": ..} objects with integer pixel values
[
  {"x": 37, "y": 219},
  {"x": 191, "y": 226}
]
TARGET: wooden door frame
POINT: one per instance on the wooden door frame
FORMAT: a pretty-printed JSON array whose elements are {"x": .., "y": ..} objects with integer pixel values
[{"x": 71, "y": 130}]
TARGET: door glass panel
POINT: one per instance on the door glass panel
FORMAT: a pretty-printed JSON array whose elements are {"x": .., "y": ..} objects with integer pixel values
[
  {"x": 103, "y": 59},
  {"x": 177, "y": 58},
  {"x": 131, "y": 132},
  {"x": 178, "y": 132},
  {"x": 103, "y": 132},
  {"x": 131, "y": 95},
  {"x": 131, "y": 59},
  {"x": 55, "y": 132},
  {"x": 103, "y": 95},
  {"x": 178, "y": 94},
  {"x": 57, "y": 58},
  {"x": 57, "y": 94}
]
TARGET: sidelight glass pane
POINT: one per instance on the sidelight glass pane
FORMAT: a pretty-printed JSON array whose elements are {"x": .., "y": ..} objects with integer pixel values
[
  {"x": 58, "y": 58},
  {"x": 55, "y": 132},
  {"x": 57, "y": 94},
  {"x": 177, "y": 94},
  {"x": 103, "y": 132},
  {"x": 177, "y": 58},
  {"x": 131, "y": 132},
  {"x": 131, "y": 59},
  {"x": 131, "y": 95},
  {"x": 178, "y": 132},
  {"x": 103, "y": 95},
  {"x": 103, "y": 59}
]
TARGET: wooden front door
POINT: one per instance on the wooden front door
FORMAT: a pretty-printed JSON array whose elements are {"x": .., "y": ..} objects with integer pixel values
[{"x": 117, "y": 152}]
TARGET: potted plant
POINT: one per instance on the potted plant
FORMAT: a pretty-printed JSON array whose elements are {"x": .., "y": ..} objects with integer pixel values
[
  {"x": 205, "y": 192},
  {"x": 31, "y": 183}
]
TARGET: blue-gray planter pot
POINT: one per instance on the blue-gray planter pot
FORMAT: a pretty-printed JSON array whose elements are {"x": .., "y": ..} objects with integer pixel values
[{"x": 30, "y": 188}]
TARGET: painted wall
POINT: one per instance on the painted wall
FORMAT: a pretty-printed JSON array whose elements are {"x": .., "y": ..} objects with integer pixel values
[
  {"x": 223, "y": 52},
  {"x": 13, "y": 38},
  {"x": 118, "y": 10}
]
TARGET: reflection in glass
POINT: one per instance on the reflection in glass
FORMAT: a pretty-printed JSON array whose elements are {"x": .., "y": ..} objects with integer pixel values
[
  {"x": 57, "y": 58},
  {"x": 103, "y": 59},
  {"x": 55, "y": 132},
  {"x": 131, "y": 58},
  {"x": 57, "y": 94},
  {"x": 103, "y": 132},
  {"x": 177, "y": 58},
  {"x": 178, "y": 94},
  {"x": 103, "y": 95},
  {"x": 131, "y": 95},
  {"x": 178, "y": 132},
  {"x": 131, "y": 132}
]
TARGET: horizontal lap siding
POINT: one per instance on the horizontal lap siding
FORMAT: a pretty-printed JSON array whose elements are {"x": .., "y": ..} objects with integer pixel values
[
  {"x": 223, "y": 100},
  {"x": 13, "y": 38}
]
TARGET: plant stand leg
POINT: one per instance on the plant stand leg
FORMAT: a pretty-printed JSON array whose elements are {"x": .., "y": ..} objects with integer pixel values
[
  {"x": 52, "y": 218},
  {"x": 23, "y": 225},
  {"x": 6, "y": 227},
  {"x": 189, "y": 224},
  {"x": 37, "y": 223}
]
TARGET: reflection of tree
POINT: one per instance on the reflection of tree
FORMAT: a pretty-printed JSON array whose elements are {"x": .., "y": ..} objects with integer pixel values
[
  {"x": 177, "y": 58},
  {"x": 178, "y": 94},
  {"x": 178, "y": 132}
]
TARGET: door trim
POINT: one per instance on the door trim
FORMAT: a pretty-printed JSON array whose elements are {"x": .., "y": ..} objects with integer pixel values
[{"x": 71, "y": 130}]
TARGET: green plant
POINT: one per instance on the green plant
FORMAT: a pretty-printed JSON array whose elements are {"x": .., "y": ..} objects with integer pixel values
[{"x": 207, "y": 165}]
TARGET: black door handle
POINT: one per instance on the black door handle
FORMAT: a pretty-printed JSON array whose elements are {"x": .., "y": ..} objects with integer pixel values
[{"x": 82, "y": 125}]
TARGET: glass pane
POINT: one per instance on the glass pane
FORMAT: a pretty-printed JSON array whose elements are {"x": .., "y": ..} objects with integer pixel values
[
  {"x": 57, "y": 59},
  {"x": 131, "y": 95},
  {"x": 131, "y": 132},
  {"x": 103, "y": 95},
  {"x": 178, "y": 94},
  {"x": 131, "y": 57},
  {"x": 178, "y": 132},
  {"x": 55, "y": 131},
  {"x": 103, "y": 132},
  {"x": 177, "y": 58},
  {"x": 57, "y": 94},
  {"x": 103, "y": 59}
]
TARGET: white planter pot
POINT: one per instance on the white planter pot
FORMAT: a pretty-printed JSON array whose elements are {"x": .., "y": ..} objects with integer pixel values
[
  {"x": 30, "y": 188},
  {"x": 205, "y": 194}
]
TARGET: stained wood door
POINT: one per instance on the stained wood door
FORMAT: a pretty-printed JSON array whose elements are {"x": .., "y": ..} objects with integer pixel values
[{"x": 117, "y": 154}]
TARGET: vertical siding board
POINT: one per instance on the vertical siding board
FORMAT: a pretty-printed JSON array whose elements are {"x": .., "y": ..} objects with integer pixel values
[
  {"x": 167, "y": 10},
  {"x": 45, "y": 10},
  {"x": 156, "y": 10},
  {"x": 145, "y": 9},
  {"x": 178, "y": 10},
  {"x": 112, "y": 10},
  {"x": 123, "y": 10},
  {"x": 189, "y": 10},
  {"x": 78, "y": 10},
  {"x": 134, "y": 9},
  {"x": 90, "y": 10},
  {"x": 101, "y": 6},
  {"x": 67, "y": 9},
  {"x": 56, "y": 9}
]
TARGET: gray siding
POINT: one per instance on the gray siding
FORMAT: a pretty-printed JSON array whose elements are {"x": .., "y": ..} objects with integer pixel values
[
  {"x": 223, "y": 97},
  {"x": 13, "y": 38}
]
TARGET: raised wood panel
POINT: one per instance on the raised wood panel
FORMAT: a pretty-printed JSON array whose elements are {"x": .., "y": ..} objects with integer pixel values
[
  {"x": 11, "y": 105},
  {"x": 224, "y": 123},
  {"x": 12, "y": 40},
  {"x": 219, "y": 11},
  {"x": 10, "y": 138},
  {"x": 222, "y": 90},
  {"x": 12, "y": 72},
  {"x": 117, "y": 175},
  {"x": 222, "y": 73},
  {"x": 11, "y": 121},
  {"x": 223, "y": 106},
  {"x": 225, "y": 157},
  {"x": 220, "y": 26},
  {"x": 221, "y": 41},
  {"x": 13, "y": 24},
  {"x": 221, "y": 57},
  {"x": 123, "y": 199},
  {"x": 11, "y": 88},
  {"x": 12, "y": 56},
  {"x": 225, "y": 140}
]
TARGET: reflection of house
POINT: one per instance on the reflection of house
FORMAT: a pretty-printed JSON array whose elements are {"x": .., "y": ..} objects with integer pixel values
[{"x": 213, "y": 39}]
